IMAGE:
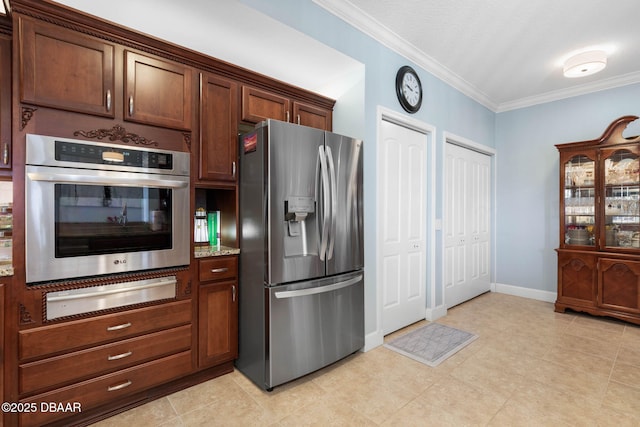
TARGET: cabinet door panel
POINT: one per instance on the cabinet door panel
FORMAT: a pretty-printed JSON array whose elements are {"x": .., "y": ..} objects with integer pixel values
[
  {"x": 218, "y": 323},
  {"x": 157, "y": 92},
  {"x": 619, "y": 285},
  {"x": 64, "y": 69},
  {"x": 308, "y": 115},
  {"x": 577, "y": 279},
  {"x": 259, "y": 105},
  {"x": 219, "y": 128}
]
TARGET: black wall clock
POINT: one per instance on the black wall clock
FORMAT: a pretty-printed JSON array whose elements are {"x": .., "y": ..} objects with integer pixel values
[{"x": 409, "y": 89}]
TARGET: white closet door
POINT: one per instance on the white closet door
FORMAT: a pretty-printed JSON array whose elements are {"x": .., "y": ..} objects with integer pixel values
[
  {"x": 403, "y": 210},
  {"x": 467, "y": 204}
]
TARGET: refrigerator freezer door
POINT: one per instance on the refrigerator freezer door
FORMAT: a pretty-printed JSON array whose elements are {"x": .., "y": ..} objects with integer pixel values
[
  {"x": 293, "y": 203},
  {"x": 313, "y": 324},
  {"x": 346, "y": 246}
]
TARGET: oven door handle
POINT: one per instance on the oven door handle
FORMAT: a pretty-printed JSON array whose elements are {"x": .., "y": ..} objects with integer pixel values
[
  {"x": 151, "y": 283},
  {"x": 127, "y": 180}
]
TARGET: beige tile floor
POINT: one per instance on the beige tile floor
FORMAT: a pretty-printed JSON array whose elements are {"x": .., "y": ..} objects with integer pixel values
[{"x": 530, "y": 366}]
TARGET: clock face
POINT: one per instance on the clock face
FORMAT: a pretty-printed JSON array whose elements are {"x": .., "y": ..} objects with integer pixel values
[{"x": 409, "y": 89}]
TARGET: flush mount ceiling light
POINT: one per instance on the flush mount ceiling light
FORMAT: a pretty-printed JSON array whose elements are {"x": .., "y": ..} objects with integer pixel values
[{"x": 585, "y": 63}]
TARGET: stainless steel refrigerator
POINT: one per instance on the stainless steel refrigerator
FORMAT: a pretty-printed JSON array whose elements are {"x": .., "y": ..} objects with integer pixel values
[{"x": 301, "y": 288}]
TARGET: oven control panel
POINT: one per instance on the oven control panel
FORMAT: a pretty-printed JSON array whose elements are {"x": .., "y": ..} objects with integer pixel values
[{"x": 105, "y": 155}]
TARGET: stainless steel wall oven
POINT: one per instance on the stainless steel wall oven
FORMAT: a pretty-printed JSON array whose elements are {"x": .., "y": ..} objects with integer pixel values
[{"x": 95, "y": 208}]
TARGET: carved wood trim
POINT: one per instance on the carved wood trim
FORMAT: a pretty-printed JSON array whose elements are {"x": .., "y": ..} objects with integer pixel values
[
  {"x": 27, "y": 114},
  {"x": 187, "y": 139},
  {"x": 577, "y": 264},
  {"x": 116, "y": 133},
  {"x": 25, "y": 315},
  {"x": 611, "y": 136}
]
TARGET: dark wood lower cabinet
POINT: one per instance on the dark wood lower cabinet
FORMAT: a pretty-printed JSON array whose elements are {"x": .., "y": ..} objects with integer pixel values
[
  {"x": 91, "y": 393},
  {"x": 217, "y": 311},
  {"x": 619, "y": 285},
  {"x": 576, "y": 278},
  {"x": 599, "y": 283}
]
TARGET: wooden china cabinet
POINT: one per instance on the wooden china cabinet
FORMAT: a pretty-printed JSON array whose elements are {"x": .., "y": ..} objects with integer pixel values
[{"x": 599, "y": 253}]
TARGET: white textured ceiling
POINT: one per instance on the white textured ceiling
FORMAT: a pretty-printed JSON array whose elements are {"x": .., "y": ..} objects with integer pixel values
[{"x": 504, "y": 53}]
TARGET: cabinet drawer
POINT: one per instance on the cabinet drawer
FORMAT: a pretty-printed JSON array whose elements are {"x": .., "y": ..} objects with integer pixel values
[
  {"x": 91, "y": 362},
  {"x": 92, "y": 393},
  {"x": 218, "y": 268},
  {"x": 86, "y": 332}
]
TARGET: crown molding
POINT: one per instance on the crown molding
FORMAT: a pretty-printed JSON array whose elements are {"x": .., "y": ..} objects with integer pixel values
[
  {"x": 362, "y": 21},
  {"x": 584, "y": 89}
]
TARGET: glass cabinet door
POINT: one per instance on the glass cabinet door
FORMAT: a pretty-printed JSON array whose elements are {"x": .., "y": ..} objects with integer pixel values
[
  {"x": 579, "y": 201},
  {"x": 621, "y": 199}
]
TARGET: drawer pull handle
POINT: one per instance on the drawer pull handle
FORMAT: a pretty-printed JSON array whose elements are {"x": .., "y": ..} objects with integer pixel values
[
  {"x": 118, "y": 327},
  {"x": 119, "y": 386},
  {"x": 219, "y": 270},
  {"x": 120, "y": 356},
  {"x": 108, "y": 100}
]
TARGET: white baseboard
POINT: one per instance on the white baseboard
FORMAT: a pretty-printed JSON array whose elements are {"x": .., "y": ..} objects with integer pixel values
[
  {"x": 373, "y": 340},
  {"x": 433, "y": 314},
  {"x": 520, "y": 291}
]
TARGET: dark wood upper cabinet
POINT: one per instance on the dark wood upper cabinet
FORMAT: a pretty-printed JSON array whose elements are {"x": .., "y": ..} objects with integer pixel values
[
  {"x": 157, "y": 92},
  {"x": 64, "y": 69},
  {"x": 68, "y": 70},
  {"x": 218, "y": 128},
  {"x": 312, "y": 116},
  {"x": 259, "y": 105}
]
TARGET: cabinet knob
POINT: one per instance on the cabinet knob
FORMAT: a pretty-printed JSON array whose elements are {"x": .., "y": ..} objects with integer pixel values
[
  {"x": 298, "y": 118},
  {"x": 219, "y": 270},
  {"x": 233, "y": 169},
  {"x": 233, "y": 293},
  {"x": 130, "y": 105},
  {"x": 286, "y": 114}
]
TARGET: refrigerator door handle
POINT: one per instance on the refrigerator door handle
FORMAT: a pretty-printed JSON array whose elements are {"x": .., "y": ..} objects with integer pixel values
[
  {"x": 319, "y": 289},
  {"x": 334, "y": 202},
  {"x": 325, "y": 204}
]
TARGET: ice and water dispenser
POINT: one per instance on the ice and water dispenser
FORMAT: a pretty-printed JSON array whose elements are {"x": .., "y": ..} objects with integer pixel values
[{"x": 297, "y": 210}]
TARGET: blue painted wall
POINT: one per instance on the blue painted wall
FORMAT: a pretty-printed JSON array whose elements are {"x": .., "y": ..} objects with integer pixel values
[
  {"x": 528, "y": 182},
  {"x": 443, "y": 107}
]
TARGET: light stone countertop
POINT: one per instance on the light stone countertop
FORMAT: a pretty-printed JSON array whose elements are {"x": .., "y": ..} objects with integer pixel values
[{"x": 209, "y": 251}]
